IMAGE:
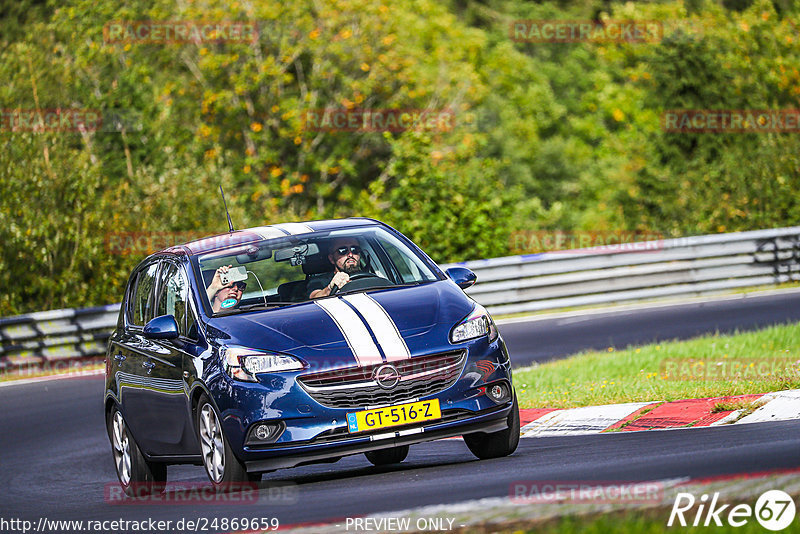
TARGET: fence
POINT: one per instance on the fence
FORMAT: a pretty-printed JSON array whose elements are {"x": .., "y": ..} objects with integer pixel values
[
  {"x": 55, "y": 336},
  {"x": 685, "y": 266}
]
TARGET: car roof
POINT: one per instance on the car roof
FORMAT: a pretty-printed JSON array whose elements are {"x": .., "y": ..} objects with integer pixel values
[{"x": 259, "y": 233}]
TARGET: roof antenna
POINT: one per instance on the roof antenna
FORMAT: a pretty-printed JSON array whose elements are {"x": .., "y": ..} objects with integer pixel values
[{"x": 230, "y": 224}]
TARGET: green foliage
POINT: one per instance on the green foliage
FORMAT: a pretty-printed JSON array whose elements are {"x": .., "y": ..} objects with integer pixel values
[
  {"x": 710, "y": 182},
  {"x": 450, "y": 203},
  {"x": 545, "y": 136}
]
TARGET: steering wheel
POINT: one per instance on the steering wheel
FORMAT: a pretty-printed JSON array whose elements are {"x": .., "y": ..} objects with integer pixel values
[{"x": 357, "y": 276}]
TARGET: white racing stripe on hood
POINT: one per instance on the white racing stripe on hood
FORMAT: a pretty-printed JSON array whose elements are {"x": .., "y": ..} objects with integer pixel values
[
  {"x": 382, "y": 325},
  {"x": 355, "y": 333}
]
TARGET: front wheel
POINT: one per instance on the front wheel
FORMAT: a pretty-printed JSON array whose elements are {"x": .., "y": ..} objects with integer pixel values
[
  {"x": 222, "y": 467},
  {"x": 395, "y": 455},
  {"x": 496, "y": 444},
  {"x": 137, "y": 476}
]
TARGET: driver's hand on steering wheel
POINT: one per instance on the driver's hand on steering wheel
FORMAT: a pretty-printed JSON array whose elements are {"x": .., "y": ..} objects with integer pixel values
[{"x": 339, "y": 280}]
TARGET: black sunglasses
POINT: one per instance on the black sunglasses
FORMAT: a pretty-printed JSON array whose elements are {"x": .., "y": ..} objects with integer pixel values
[
  {"x": 241, "y": 285},
  {"x": 355, "y": 249}
]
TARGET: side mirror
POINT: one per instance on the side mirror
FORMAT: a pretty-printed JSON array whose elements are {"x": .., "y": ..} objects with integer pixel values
[
  {"x": 163, "y": 327},
  {"x": 462, "y": 276}
]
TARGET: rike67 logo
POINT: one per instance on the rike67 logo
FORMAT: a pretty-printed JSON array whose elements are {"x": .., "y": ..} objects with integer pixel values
[{"x": 774, "y": 510}]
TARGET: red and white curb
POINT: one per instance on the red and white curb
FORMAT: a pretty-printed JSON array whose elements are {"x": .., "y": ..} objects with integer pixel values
[
  {"x": 636, "y": 416},
  {"x": 779, "y": 406},
  {"x": 577, "y": 421}
]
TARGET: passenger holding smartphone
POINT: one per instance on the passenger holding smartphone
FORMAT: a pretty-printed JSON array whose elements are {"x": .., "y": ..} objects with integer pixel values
[{"x": 224, "y": 296}]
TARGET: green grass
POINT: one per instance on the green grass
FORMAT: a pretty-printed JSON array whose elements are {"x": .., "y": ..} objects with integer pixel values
[{"x": 712, "y": 366}]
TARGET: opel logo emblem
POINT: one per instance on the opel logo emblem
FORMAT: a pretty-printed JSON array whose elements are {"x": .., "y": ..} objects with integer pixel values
[{"x": 387, "y": 376}]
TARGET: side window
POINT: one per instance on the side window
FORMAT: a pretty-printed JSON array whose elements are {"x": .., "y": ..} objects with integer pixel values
[
  {"x": 404, "y": 264},
  {"x": 173, "y": 298},
  {"x": 143, "y": 296}
]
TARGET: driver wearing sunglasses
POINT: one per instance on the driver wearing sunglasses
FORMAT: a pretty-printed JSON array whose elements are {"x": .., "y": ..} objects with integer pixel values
[
  {"x": 345, "y": 255},
  {"x": 223, "y": 297}
]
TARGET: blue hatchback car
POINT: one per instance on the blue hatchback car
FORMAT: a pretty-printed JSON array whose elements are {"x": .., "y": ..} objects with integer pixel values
[{"x": 300, "y": 343}]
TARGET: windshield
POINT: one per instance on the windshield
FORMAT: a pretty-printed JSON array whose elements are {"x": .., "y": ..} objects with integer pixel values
[{"x": 299, "y": 268}]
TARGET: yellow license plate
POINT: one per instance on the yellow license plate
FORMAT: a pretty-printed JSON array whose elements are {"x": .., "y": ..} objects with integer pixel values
[{"x": 402, "y": 414}]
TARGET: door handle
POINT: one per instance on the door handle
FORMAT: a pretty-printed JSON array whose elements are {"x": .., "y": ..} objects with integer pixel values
[{"x": 148, "y": 365}]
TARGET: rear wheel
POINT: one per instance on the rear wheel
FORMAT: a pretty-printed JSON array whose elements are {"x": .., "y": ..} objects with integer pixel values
[
  {"x": 137, "y": 476},
  {"x": 222, "y": 467},
  {"x": 496, "y": 444},
  {"x": 395, "y": 455}
]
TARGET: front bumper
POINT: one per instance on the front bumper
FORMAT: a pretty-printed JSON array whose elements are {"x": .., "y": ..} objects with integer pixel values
[
  {"x": 315, "y": 433},
  {"x": 334, "y": 447}
]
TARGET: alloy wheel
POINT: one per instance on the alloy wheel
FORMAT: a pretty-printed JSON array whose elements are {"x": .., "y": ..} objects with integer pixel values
[
  {"x": 122, "y": 449},
  {"x": 212, "y": 443}
]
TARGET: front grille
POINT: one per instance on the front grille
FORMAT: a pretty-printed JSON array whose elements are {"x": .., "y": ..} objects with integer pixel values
[{"x": 354, "y": 387}]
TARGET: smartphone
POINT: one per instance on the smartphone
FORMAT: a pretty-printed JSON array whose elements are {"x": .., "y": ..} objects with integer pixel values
[{"x": 234, "y": 274}]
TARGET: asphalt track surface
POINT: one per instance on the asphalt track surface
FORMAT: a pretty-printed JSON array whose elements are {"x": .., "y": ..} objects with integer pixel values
[{"x": 55, "y": 459}]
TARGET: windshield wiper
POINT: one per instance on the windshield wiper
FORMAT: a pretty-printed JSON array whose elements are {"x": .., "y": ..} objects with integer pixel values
[
  {"x": 385, "y": 286},
  {"x": 263, "y": 305}
]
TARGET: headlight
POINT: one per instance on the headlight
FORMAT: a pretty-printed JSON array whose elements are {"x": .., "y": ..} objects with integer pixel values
[
  {"x": 244, "y": 364},
  {"x": 476, "y": 324}
]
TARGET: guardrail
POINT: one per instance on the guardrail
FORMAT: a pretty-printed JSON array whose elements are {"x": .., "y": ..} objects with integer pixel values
[
  {"x": 685, "y": 266},
  {"x": 55, "y": 336}
]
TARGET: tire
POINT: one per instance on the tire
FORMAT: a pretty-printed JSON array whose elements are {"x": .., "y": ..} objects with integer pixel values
[
  {"x": 496, "y": 444},
  {"x": 395, "y": 455},
  {"x": 223, "y": 468},
  {"x": 136, "y": 475}
]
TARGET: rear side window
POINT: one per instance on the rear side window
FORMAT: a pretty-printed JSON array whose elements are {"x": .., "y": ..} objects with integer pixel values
[
  {"x": 143, "y": 295},
  {"x": 174, "y": 297}
]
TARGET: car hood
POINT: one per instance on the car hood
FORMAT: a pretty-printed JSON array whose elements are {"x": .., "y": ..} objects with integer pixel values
[{"x": 329, "y": 333}]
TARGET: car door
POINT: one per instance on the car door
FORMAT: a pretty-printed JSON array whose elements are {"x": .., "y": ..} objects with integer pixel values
[
  {"x": 167, "y": 415},
  {"x": 131, "y": 355}
]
